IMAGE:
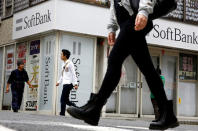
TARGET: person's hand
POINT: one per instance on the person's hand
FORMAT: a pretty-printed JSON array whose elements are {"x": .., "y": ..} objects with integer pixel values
[
  {"x": 140, "y": 22},
  {"x": 111, "y": 38},
  {"x": 75, "y": 87},
  {"x": 57, "y": 84},
  {"x": 7, "y": 90},
  {"x": 30, "y": 86}
]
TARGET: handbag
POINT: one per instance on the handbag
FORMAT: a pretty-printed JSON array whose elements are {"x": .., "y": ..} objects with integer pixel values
[{"x": 161, "y": 7}]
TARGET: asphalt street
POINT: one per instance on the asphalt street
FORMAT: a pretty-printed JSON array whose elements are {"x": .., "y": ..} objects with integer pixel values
[{"x": 10, "y": 121}]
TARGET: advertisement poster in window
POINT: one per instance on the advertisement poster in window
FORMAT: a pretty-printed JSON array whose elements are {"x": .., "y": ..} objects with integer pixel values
[
  {"x": 188, "y": 67},
  {"x": 9, "y": 61},
  {"x": 33, "y": 72},
  {"x": 21, "y": 51}
]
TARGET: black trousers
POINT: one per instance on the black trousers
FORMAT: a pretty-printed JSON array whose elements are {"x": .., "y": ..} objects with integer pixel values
[
  {"x": 17, "y": 95},
  {"x": 156, "y": 109},
  {"x": 131, "y": 42},
  {"x": 65, "y": 98}
]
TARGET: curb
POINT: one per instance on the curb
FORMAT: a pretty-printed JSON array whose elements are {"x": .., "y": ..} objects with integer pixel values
[{"x": 188, "y": 122}]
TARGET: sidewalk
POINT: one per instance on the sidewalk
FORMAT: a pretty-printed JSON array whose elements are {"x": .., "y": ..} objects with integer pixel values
[
  {"x": 187, "y": 121},
  {"x": 26, "y": 121}
]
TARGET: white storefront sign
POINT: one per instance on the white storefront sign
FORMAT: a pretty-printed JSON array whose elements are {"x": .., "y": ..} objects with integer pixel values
[
  {"x": 34, "y": 20},
  {"x": 174, "y": 34},
  {"x": 82, "y": 18},
  {"x": 61, "y": 15}
]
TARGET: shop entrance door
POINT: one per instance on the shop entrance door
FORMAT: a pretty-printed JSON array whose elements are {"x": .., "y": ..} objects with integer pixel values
[
  {"x": 146, "y": 107},
  {"x": 168, "y": 64},
  {"x": 132, "y": 95},
  {"x": 124, "y": 100},
  {"x": 170, "y": 71}
]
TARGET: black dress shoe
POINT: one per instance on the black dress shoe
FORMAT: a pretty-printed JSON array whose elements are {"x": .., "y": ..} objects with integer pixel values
[
  {"x": 90, "y": 117},
  {"x": 90, "y": 112},
  {"x": 90, "y": 99},
  {"x": 62, "y": 114},
  {"x": 15, "y": 110},
  {"x": 73, "y": 104},
  {"x": 164, "y": 124},
  {"x": 156, "y": 120},
  {"x": 167, "y": 119}
]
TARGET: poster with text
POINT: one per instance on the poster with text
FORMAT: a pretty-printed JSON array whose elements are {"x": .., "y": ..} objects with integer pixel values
[
  {"x": 33, "y": 72},
  {"x": 187, "y": 67},
  {"x": 21, "y": 50},
  {"x": 9, "y": 61}
]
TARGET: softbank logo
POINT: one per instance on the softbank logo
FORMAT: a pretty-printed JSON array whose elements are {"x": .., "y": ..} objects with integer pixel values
[
  {"x": 18, "y": 22},
  {"x": 35, "y": 20}
]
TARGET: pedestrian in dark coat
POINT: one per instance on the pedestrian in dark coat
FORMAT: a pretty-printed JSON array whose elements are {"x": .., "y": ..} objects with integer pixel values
[{"x": 17, "y": 80}]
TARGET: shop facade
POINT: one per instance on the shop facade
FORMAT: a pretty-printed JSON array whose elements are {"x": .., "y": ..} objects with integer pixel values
[
  {"x": 173, "y": 47},
  {"x": 41, "y": 32}
]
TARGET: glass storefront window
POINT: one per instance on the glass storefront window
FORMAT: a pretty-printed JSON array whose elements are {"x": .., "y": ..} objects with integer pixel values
[
  {"x": 9, "y": 66},
  {"x": 187, "y": 92},
  {"x": 187, "y": 67},
  {"x": 128, "y": 84}
]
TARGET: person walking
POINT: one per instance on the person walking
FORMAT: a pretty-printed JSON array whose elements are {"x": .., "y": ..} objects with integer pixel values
[
  {"x": 17, "y": 80},
  {"x": 68, "y": 79},
  {"x": 130, "y": 41}
]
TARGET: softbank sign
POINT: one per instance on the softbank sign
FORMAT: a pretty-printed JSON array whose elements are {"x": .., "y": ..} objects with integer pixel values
[
  {"x": 174, "y": 34},
  {"x": 36, "y": 19}
]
